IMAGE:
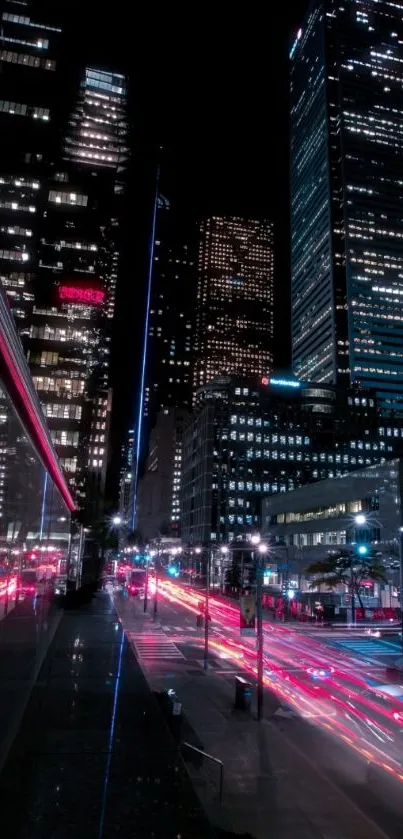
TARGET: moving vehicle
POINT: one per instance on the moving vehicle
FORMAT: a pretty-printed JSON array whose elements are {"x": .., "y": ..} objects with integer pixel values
[
  {"x": 137, "y": 581},
  {"x": 27, "y": 583}
]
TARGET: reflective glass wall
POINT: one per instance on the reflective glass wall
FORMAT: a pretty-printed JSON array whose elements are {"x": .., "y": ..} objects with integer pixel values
[{"x": 37, "y": 552}]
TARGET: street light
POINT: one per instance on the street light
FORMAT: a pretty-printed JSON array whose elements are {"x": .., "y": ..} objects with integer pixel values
[
  {"x": 206, "y": 612},
  {"x": 360, "y": 518},
  {"x": 117, "y": 520},
  {"x": 224, "y": 549},
  {"x": 262, "y": 549}
]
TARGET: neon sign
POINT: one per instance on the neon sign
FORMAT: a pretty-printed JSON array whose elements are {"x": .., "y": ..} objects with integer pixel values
[
  {"x": 82, "y": 296},
  {"x": 281, "y": 382}
]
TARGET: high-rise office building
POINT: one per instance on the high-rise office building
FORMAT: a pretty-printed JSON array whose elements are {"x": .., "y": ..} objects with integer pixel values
[
  {"x": 234, "y": 307},
  {"x": 346, "y": 193},
  {"x": 59, "y": 211},
  {"x": 29, "y": 113},
  {"x": 159, "y": 489},
  {"x": 126, "y": 482},
  {"x": 70, "y": 333},
  {"x": 168, "y": 380}
]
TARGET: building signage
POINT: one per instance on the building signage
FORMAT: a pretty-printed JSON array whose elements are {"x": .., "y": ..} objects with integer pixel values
[
  {"x": 282, "y": 382},
  {"x": 247, "y": 615},
  {"x": 81, "y": 295}
]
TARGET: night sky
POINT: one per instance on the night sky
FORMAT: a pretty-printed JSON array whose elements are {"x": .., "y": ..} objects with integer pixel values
[{"x": 211, "y": 87}]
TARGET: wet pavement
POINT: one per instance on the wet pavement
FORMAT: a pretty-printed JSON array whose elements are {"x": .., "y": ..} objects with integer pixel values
[{"x": 93, "y": 757}]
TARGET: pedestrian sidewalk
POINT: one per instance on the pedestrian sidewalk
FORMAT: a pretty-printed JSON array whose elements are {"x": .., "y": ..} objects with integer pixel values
[
  {"x": 271, "y": 787},
  {"x": 93, "y": 758}
]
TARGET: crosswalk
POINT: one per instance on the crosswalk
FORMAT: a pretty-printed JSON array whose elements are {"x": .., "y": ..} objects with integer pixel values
[
  {"x": 154, "y": 646},
  {"x": 181, "y": 630},
  {"x": 367, "y": 646}
]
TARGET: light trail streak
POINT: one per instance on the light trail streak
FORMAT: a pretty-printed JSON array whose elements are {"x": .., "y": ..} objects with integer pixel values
[{"x": 334, "y": 705}]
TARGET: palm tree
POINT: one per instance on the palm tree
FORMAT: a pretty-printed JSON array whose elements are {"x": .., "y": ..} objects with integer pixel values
[{"x": 347, "y": 568}]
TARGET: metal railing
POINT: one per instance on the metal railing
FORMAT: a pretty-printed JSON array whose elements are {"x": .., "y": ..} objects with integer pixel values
[{"x": 214, "y": 760}]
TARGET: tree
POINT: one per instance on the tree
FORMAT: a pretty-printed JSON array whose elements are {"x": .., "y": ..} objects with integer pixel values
[
  {"x": 233, "y": 575},
  {"x": 347, "y": 568}
]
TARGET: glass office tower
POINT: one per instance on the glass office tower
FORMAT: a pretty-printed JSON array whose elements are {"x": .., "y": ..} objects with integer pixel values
[{"x": 346, "y": 196}]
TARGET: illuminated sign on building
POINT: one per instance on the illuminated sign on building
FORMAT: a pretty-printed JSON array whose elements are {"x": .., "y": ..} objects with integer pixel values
[
  {"x": 81, "y": 295},
  {"x": 280, "y": 382}
]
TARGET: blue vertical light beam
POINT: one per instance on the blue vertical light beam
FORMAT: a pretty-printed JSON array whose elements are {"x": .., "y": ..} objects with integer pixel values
[
  {"x": 45, "y": 486},
  {"x": 145, "y": 345}
]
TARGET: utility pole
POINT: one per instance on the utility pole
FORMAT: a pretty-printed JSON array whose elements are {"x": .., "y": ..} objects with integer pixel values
[
  {"x": 206, "y": 612},
  {"x": 259, "y": 616},
  {"x": 146, "y": 585},
  {"x": 157, "y": 568},
  {"x": 352, "y": 593}
]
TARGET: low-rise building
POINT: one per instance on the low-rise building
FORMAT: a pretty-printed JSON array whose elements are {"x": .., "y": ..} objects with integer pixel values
[{"x": 363, "y": 508}]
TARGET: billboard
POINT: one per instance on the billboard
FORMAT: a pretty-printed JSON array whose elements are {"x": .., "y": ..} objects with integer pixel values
[{"x": 247, "y": 615}]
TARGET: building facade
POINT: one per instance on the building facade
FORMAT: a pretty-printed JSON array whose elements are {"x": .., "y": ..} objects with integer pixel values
[
  {"x": 61, "y": 275},
  {"x": 159, "y": 491},
  {"x": 29, "y": 122},
  {"x": 346, "y": 188},
  {"x": 234, "y": 307},
  {"x": 248, "y": 439},
  {"x": 169, "y": 345},
  {"x": 126, "y": 481},
  {"x": 362, "y": 508}
]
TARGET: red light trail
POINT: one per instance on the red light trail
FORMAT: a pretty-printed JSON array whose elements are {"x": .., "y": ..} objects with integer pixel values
[{"x": 317, "y": 682}]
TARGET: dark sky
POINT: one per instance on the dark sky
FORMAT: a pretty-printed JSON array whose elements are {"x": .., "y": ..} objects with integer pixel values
[{"x": 212, "y": 87}]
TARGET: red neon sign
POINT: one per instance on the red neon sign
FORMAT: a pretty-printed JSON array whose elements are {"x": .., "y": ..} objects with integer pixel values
[{"x": 81, "y": 295}]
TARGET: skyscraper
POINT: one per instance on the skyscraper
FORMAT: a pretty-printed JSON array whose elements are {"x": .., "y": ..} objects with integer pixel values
[
  {"x": 30, "y": 44},
  {"x": 346, "y": 196},
  {"x": 168, "y": 380},
  {"x": 59, "y": 211},
  {"x": 70, "y": 333},
  {"x": 234, "y": 307}
]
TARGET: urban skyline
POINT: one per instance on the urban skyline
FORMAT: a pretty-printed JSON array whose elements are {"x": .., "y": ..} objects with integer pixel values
[{"x": 201, "y": 532}]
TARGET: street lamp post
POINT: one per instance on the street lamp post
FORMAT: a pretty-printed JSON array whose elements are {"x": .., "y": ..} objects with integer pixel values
[
  {"x": 261, "y": 550},
  {"x": 157, "y": 566},
  {"x": 206, "y": 612},
  {"x": 224, "y": 551},
  {"x": 146, "y": 581}
]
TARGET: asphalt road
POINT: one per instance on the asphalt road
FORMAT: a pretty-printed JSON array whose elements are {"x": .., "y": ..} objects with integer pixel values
[{"x": 322, "y": 691}]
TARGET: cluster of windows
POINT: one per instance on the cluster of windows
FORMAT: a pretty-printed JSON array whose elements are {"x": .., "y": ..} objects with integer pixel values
[
  {"x": 64, "y": 438},
  {"x": 14, "y": 256},
  {"x": 63, "y": 334},
  {"x": 69, "y": 387},
  {"x": 60, "y": 410},
  {"x": 21, "y": 109},
  {"x": 73, "y": 199},
  {"x": 27, "y": 60}
]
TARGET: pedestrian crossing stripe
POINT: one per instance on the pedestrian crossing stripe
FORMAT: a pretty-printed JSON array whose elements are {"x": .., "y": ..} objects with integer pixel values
[
  {"x": 368, "y": 646},
  {"x": 154, "y": 646},
  {"x": 181, "y": 630}
]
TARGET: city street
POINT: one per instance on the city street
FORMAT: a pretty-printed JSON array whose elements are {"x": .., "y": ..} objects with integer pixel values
[{"x": 322, "y": 692}]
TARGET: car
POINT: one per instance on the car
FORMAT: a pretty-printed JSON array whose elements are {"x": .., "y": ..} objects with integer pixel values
[
  {"x": 374, "y": 633},
  {"x": 320, "y": 672}
]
